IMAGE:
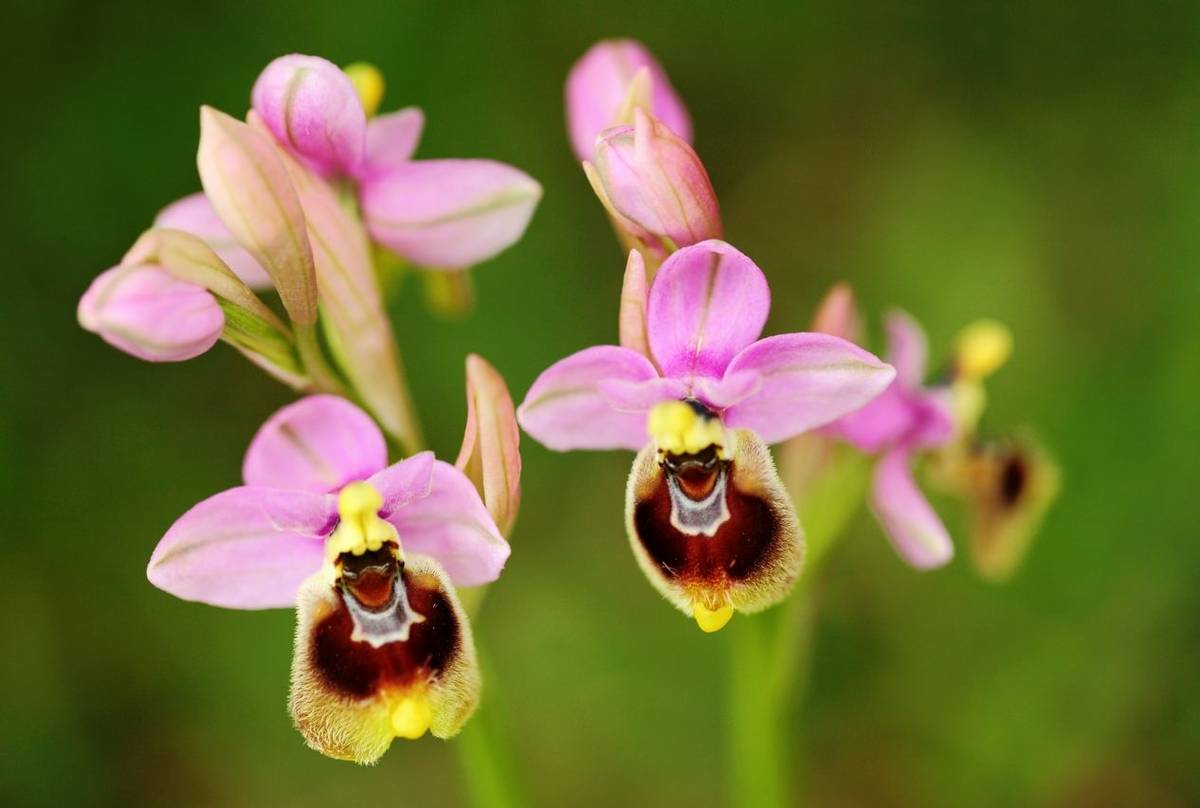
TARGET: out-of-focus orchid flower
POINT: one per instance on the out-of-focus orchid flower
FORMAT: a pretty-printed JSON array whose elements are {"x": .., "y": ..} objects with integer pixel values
[
  {"x": 194, "y": 214},
  {"x": 599, "y": 85},
  {"x": 907, "y": 420},
  {"x": 147, "y": 312},
  {"x": 439, "y": 214},
  {"x": 491, "y": 454},
  {"x": 706, "y": 514},
  {"x": 1009, "y": 486},
  {"x": 367, "y": 552},
  {"x": 654, "y": 186}
]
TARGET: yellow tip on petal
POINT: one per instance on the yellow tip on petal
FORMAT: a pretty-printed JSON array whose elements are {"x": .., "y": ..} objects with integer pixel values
[
  {"x": 678, "y": 428},
  {"x": 982, "y": 347},
  {"x": 368, "y": 83},
  {"x": 709, "y": 620},
  {"x": 411, "y": 717}
]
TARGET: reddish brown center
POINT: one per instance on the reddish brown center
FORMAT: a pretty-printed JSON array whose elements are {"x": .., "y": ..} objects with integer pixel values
[{"x": 358, "y": 670}]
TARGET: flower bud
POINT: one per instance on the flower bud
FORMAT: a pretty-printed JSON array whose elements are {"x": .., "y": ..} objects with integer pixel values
[
  {"x": 250, "y": 191},
  {"x": 448, "y": 214},
  {"x": 655, "y": 186},
  {"x": 313, "y": 109},
  {"x": 145, "y": 311},
  {"x": 838, "y": 314},
  {"x": 599, "y": 84},
  {"x": 491, "y": 454}
]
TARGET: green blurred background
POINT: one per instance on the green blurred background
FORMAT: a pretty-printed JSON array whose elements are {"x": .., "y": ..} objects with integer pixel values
[{"x": 958, "y": 159}]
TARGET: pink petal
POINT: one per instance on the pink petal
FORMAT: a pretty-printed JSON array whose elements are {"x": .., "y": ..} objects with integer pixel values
[
  {"x": 907, "y": 348},
  {"x": 708, "y": 302},
  {"x": 145, "y": 311},
  {"x": 453, "y": 526},
  {"x": 403, "y": 483},
  {"x": 449, "y": 214},
  {"x": 194, "y": 214},
  {"x": 318, "y": 444},
  {"x": 598, "y": 84},
  {"x": 311, "y": 107},
  {"x": 245, "y": 548},
  {"x": 884, "y": 420},
  {"x": 906, "y": 516},
  {"x": 392, "y": 139},
  {"x": 567, "y": 407},
  {"x": 721, "y": 394},
  {"x": 807, "y": 380}
]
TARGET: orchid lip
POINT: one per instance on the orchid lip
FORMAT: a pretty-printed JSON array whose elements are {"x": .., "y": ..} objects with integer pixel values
[
  {"x": 372, "y": 588},
  {"x": 696, "y": 485}
]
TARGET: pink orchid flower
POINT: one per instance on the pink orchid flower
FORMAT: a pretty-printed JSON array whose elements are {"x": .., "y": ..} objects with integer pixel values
[
  {"x": 367, "y": 552},
  {"x": 599, "y": 85},
  {"x": 908, "y": 420},
  {"x": 698, "y": 395},
  {"x": 439, "y": 214}
]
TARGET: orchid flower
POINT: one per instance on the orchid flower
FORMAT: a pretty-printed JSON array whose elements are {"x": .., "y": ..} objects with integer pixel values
[
  {"x": 369, "y": 553},
  {"x": 908, "y": 420},
  {"x": 599, "y": 88},
  {"x": 439, "y": 214},
  {"x": 695, "y": 392},
  {"x": 1008, "y": 484}
]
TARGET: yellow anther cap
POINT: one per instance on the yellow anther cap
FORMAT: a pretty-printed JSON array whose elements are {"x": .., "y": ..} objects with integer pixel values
[
  {"x": 709, "y": 620},
  {"x": 981, "y": 348},
  {"x": 411, "y": 717},
  {"x": 677, "y": 428},
  {"x": 360, "y": 529},
  {"x": 368, "y": 83}
]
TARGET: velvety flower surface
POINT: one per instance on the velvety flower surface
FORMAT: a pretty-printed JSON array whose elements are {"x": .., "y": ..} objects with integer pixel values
[
  {"x": 706, "y": 514},
  {"x": 598, "y": 86},
  {"x": 906, "y": 420}
]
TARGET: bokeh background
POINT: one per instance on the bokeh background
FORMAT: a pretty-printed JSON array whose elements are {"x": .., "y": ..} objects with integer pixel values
[{"x": 1035, "y": 164}]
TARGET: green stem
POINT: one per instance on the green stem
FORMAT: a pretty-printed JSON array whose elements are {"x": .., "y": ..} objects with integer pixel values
[
  {"x": 318, "y": 369},
  {"x": 768, "y": 669},
  {"x": 489, "y": 774}
]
